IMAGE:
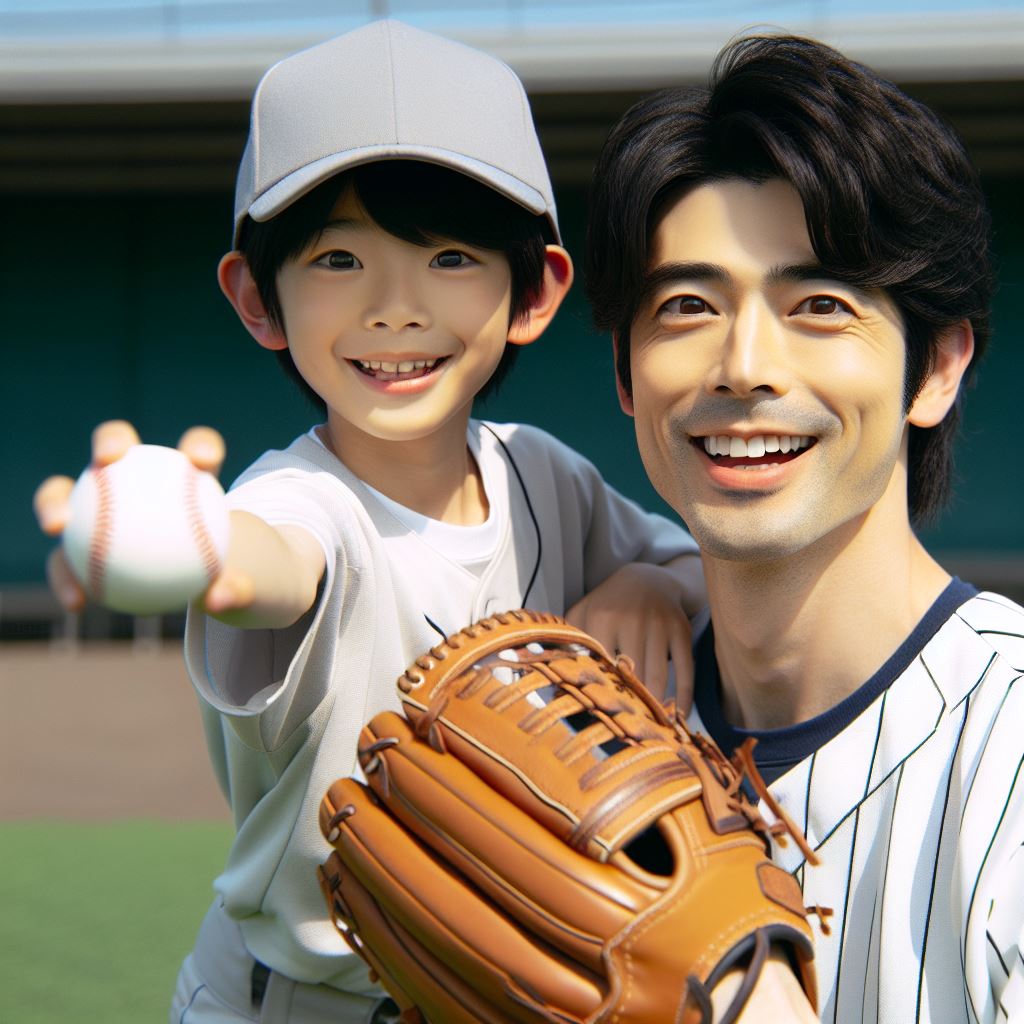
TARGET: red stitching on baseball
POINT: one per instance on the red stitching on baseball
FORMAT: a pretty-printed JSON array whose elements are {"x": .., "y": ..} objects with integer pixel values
[
  {"x": 204, "y": 542},
  {"x": 103, "y": 531}
]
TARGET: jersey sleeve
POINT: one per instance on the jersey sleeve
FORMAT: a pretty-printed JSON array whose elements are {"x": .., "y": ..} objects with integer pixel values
[
  {"x": 1003, "y": 890},
  {"x": 1005, "y": 936},
  {"x": 266, "y": 682},
  {"x": 620, "y": 531},
  {"x": 991, "y": 843},
  {"x": 608, "y": 529}
]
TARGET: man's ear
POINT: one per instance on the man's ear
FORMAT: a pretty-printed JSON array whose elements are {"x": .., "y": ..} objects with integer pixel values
[
  {"x": 954, "y": 349},
  {"x": 558, "y": 274},
  {"x": 625, "y": 398},
  {"x": 236, "y": 282}
]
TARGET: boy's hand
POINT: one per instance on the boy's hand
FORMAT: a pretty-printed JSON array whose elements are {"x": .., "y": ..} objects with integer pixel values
[
  {"x": 638, "y": 611},
  {"x": 110, "y": 440}
]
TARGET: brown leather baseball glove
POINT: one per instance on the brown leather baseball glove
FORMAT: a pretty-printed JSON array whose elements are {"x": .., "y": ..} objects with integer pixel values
[{"x": 542, "y": 841}]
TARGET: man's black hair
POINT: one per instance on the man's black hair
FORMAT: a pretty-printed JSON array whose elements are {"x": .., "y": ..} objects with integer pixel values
[
  {"x": 890, "y": 197},
  {"x": 419, "y": 203}
]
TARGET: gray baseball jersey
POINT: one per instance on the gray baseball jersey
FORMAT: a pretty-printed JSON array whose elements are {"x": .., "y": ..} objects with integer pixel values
[{"x": 284, "y": 708}]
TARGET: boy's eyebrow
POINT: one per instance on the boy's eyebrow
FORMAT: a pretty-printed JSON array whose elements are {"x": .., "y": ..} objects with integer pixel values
[{"x": 344, "y": 222}]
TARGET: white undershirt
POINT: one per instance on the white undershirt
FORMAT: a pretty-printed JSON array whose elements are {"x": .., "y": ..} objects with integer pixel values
[{"x": 472, "y": 547}]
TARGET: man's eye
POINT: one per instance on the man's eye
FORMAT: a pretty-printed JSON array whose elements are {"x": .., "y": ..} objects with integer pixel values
[
  {"x": 451, "y": 258},
  {"x": 822, "y": 305},
  {"x": 340, "y": 260},
  {"x": 685, "y": 305}
]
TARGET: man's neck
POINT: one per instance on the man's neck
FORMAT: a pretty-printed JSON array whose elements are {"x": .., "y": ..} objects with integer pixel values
[{"x": 796, "y": 636}]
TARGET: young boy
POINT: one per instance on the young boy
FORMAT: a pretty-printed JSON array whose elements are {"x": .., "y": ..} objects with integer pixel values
[{"x": 395, "y": 234}]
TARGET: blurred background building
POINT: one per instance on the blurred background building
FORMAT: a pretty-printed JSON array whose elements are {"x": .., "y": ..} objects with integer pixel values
[{"x": 121, "y": 124}]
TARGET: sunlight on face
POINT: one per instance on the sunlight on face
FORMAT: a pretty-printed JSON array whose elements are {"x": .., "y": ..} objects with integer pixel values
[
  {"x": 767, "y": 396},
  {"x": 396, "y": 338}
]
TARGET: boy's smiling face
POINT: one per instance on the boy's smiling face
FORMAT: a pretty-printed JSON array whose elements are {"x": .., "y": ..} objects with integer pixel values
[{"x": 396, "y": 338}]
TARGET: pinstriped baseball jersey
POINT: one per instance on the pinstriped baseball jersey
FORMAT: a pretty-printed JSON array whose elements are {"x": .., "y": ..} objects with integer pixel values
[{"x": 915, "y": 805}]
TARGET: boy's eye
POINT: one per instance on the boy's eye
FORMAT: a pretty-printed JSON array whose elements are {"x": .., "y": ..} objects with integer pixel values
[
  {"x": 451, "y": 258},
  {"x": 685, "y": 305},
  {"x": 340, "y": 260},
  {"x": 822, "y": 305}
]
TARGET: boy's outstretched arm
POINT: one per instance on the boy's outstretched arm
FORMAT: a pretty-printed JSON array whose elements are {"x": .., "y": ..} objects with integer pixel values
[
  {"x": 270, "y": 576},
  {"x": 642, "y": 610}
]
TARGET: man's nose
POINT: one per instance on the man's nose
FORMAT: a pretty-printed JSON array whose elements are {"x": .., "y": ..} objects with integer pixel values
[{"x": 754, "y": 355}]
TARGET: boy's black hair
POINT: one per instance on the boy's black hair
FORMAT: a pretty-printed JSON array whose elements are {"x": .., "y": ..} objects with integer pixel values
[
  {"x": 890, "y": 197},
  {"x": 419, "y": 203}
]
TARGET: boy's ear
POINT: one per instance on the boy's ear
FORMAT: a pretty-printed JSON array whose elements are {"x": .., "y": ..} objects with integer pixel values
[
  {"x": 557, "y": 280},
  {"x": 625, "y": 398},
  {"x": 953, "y": 353},
  {"x": 236, "y": 282}
]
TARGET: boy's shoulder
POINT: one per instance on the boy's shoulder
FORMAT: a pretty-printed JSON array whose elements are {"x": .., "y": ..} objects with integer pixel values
[
  {"x": 304, "y": 454},
  {"x": 526, "y": 439}
]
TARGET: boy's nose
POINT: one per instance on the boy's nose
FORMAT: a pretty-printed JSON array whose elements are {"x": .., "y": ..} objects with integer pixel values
[
  {"x": 396, "y": 322},
  {"x": 397, "y": 308}
]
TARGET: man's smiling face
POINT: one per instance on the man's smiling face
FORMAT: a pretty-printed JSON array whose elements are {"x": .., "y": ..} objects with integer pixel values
[{"x": 768, "y": 397}]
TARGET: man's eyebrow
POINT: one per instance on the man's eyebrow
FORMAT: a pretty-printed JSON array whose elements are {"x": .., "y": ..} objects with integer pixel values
[
  {"x": 787, "y": 273},
  {"x": 783, "y": 273},
  {"x": 666, "y": 273},
  {"x": 684, "y": 270}
]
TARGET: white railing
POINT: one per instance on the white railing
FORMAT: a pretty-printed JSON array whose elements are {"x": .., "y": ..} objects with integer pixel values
[{"x": 166, "y": 49}]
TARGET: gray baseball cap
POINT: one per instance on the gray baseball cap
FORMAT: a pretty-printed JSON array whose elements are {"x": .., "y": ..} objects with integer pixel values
[{"x": 389, "y": 91}]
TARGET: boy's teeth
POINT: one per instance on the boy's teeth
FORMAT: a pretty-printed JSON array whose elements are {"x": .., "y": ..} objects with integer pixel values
[
  {"x": 754, "y": 447},
  {"x": 405, "y": 366}
]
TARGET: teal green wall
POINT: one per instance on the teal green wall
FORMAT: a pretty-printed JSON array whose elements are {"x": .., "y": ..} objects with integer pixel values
[
  {"x": 987, "y": 511},
  {"x": 111, "y": 310}
]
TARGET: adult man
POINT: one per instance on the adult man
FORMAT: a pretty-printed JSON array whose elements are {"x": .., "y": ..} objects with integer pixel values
[{"x": 794, "y": 267}]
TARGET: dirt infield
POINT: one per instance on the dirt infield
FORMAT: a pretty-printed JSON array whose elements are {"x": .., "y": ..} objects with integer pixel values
[{"x": 102, "y": 732}]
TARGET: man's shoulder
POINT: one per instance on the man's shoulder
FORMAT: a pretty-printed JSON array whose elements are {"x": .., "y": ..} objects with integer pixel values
[
  {"x": 998, "y": 623},
  {"x": 977, "y": 650}
]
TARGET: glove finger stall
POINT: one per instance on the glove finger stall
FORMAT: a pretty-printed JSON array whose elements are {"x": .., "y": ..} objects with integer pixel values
[{"x": 433, "y": 907}]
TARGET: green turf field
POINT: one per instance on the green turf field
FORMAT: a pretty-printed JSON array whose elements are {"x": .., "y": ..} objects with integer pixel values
[{"x": 95, "y": 919}]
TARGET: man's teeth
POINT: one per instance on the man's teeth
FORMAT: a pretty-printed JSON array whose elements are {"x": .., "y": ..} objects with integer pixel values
[
  {"x": 754, "y": 447},
  {"x": 406, "y": 366}
]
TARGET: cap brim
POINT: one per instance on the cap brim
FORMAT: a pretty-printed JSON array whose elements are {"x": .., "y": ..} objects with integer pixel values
[{"x": 298, "y": 183}]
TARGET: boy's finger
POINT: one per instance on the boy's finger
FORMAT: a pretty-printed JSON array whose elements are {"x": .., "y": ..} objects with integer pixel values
[
  {"x": 230, "y": 591},
  {"x": 111, "y": 440},
  {"x": 204, "y": 446},
  {"x": 682, "y": 669},
  {"x": 63, "y": 582},
  {"x": 576, "y": 615},
  {"x": 50, "y": 503},
  {"x": 655, "y": 663}
]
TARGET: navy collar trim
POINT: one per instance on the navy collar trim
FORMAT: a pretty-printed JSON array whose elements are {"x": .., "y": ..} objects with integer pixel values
[{"x": 787, "y": 746}]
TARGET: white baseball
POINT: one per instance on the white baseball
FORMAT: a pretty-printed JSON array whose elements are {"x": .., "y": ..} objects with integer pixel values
[{"x": 147, "y": 533}]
